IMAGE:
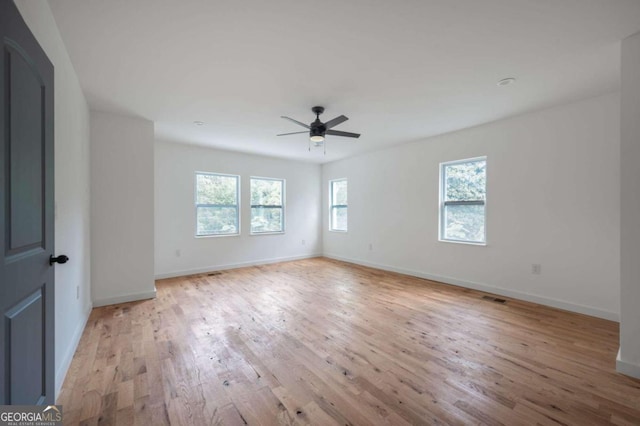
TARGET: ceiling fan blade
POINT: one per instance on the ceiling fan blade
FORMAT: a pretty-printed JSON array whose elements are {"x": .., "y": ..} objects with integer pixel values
[
  {"x": 339, "y": 133},
  {"x": 296, "y": 121},
  {"x": 332, "y": 123},
  {"x": 292, "y": 133}
]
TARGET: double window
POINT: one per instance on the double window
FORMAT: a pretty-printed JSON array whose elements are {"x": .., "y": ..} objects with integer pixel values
[
  {"x": 267, "y": 205},
  {"x": 462, "y": 200},
  {"x": 217, "y": 204},
  {"x": 339, "y": 206}
]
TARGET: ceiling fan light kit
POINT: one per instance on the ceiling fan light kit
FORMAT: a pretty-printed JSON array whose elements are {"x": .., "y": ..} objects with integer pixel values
[{"x": 318, "y": 130}]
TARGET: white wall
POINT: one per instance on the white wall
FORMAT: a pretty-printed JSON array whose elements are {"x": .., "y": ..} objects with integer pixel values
[
  {"x": 175, "y": 167},
  {"x": 121, "y": 208},
  {"x": 71, "y": 188},
  {"x": 629, "y": 356},
  {"x": 552, "y": 198}
]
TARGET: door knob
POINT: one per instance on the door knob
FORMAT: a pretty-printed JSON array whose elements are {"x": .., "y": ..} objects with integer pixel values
[{"x": 60, "y": 259}]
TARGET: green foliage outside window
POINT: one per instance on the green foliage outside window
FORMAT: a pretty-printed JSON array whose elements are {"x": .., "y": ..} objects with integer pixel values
[
  {"x": 463, "y": 213},
  {"x": 267, "y": 205},
  {"x": 466, "y": 181},
  {"x": 216, "y": 204},
  {"x": 339, "y": 205}
]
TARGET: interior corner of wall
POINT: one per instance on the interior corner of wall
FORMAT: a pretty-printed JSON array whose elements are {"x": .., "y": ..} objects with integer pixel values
[{"x": 627, "y": 368}]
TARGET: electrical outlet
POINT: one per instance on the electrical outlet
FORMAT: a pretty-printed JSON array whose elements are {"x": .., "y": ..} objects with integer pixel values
[
  {"x": 536, "y": 269},
  {"x": 370, "y": 246},
  {"x": 77, "y": 292},
  {"x": 303, "y": 242},
  {"x": 178, "y": 252}
]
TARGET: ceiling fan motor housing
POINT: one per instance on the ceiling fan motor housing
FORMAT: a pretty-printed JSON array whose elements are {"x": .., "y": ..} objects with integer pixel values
[{"x": 317, "y": 129}]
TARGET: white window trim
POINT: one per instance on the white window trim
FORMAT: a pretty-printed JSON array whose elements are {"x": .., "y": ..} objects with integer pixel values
[
  {"x": 441, "y": 193},
  {"x": 284, "y": 213},
  {"x": 342, "y": 231},
  {"x": 195, "y": 204}
]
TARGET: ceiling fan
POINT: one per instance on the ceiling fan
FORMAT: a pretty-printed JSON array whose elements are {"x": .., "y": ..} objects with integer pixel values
[{"x": 318, "y": 129}]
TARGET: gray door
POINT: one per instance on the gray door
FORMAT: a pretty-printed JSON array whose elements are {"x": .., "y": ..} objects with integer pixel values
[{"x": 26, "y": 215}]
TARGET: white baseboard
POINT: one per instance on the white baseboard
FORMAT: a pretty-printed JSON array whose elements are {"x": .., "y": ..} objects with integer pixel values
[
  {"x": 560, "y": 304},
  {"x": 205, "y": 269},
  {"x": 71, "y": 350},
  {"x": 133, "y": 297},
  {"x": 626, "y": 368}
]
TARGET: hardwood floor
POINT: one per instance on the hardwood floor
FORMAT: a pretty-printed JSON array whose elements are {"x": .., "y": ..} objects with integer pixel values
[{"x": 324, "y": 342}]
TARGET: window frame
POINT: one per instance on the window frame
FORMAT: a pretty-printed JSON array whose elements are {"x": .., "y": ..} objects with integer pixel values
[
  {"x": 236, "y": 206},
  {"x": 339, "y": 206},
  {"x": 282, "y": 206},
  {"x": 442, "y": 203}
]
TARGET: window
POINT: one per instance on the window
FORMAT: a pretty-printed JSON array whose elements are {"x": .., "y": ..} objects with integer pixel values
[
  {"x": 462, "y": 200},
  {"x": 267, "y": 205},
  {"x": 217, "y": 206},
  {"x": 338, "y": 209}
]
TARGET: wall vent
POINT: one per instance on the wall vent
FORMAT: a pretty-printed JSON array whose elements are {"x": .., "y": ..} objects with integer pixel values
[{"x": 212, "y": 274}]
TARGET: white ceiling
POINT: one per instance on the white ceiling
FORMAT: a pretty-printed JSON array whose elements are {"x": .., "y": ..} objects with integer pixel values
[{"x": 400, "y": 70}]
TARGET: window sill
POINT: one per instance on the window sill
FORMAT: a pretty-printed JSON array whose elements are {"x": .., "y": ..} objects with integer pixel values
[
  {"x": 468, "y": 243},
  {"x": 338, "y": 231},
  {"x": 254, "y": 234},
  {"x": 217, "y": 235}
]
